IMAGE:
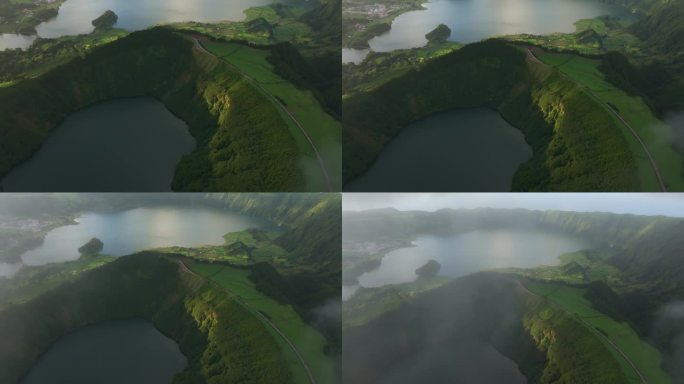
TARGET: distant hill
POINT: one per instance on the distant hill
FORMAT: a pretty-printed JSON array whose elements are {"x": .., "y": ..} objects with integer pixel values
[
  {"x": 326, "y": 19},
  {"x": 658, "y": 74},
  {"x": 663, "y": 28},
  {"x": 647, "y": 249}
]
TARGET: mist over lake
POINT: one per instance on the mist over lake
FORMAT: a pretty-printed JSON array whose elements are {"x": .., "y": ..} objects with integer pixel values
[{"x": 467, "y": 253}]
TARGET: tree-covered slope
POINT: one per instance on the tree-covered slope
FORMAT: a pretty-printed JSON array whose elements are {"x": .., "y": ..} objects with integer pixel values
[
  {"x": 242, "y": 142},
  {"x": 312, "y": 238},
  {"x": 223, "y": 341},
  {"x": 657, "y": 73},
  {"x": 663, "y": 28},
  {"x": 577, "y": 145},
  {"x": 453, "y": 332},
  {"x": 312, "y": 225}
]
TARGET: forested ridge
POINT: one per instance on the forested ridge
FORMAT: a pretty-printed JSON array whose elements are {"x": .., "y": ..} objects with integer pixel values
[
  {"x": 242, "y": 141},
  {"x": 576, "y": 143},
  {"x": 222, "y": 341},
  {"x": 657, "y": 74}
]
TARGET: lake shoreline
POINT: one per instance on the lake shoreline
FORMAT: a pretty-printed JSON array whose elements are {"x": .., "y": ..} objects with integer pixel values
[
  {"x": 422, "y": 119},
  {"x": 98, "y": 103}
]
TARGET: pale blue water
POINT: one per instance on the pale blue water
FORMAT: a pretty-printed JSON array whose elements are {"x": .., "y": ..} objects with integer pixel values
[
  {"x": 138, "y": 229},
  {"x": 474, "y": 20},
  {"x": 75, "y": 16},
  {"x": 471, "y": 252}
]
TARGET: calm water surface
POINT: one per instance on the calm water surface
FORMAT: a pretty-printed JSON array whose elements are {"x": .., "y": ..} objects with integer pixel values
[
  {"x": 75, "y": 16},
  {"x": 475, "y": 20},
  {"x": 130, "y": 351},
  {"x": 459, "y": 150},
  {"x": 142, "y": 228},
  {"x": 467, "y": 253},
  {"x": 119, "y": 145}
]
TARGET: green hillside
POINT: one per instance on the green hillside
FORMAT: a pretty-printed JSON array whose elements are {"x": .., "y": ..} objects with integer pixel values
[
  {"x": 547, "y": 344},
  {"x": 212, "y": 329},
  {"x": 617, "y": 290},
  {"x": 310, "y": 343},
  {"x": 243, "y": 141},
  {"x": 577, "y": 144}
]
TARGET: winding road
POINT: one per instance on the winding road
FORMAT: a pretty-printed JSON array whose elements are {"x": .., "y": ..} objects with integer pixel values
[
  {"x": 532, "y": 57},
  {"x": 264, "y": 319},
  {"x": 595, "y": 331},
  {"x": 256, "y": 83}
]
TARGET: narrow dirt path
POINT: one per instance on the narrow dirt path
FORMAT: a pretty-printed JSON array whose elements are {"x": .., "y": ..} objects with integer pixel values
[
  {"x": 531, "y": 56},
  {"x": 321, "y": 163},
  {"x": 266, "y": 320},
  {"x": 595, "y": 331}
]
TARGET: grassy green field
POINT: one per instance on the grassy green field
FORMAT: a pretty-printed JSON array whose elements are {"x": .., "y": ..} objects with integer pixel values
[
  {"x": 658, "y": 136},
  {"x": 591, "y": 36},
  {"x": 262, "y": 242},
  {"x": 579, "y": 267},
  {"x": 646, "y": 358},
  {"x": 308, "y": 341},
  {"x": 324, "y": 130},
  {"x": 259, "y": 243},
  {"x": 285, "y": 27}
]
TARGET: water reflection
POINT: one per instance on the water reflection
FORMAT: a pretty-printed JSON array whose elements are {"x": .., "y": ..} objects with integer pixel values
[
  {"x": 467, "y": 253},
  {"x": 138, "y": 229},
  {"x": 474, "y": 20}
]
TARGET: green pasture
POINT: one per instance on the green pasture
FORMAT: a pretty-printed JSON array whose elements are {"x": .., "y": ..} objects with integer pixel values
[
  {"x": 657, "y": 136},
  {"x": 308, "y": 341},
  {"x": 324, "y": 130},
  {"x": 646, "y": 357},
  {"x": 260, "y": 243}
]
